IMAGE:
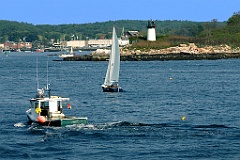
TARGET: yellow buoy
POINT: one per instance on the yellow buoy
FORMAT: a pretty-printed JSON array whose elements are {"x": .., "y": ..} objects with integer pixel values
[
  {"x": 170, "y": 78},
  {"x": 183, "y": 118},
  {"x": 38, "y": 110}
]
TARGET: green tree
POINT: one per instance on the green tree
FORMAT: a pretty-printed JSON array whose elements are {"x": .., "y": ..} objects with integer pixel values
[
  {"x": 234, "y": 20},
  {"x": 3, "y": 39}
]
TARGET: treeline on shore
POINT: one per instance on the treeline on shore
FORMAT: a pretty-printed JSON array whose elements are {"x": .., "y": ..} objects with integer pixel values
[
  {"x": 15, "y": 31},
  {"x": 169, "y": 33}
]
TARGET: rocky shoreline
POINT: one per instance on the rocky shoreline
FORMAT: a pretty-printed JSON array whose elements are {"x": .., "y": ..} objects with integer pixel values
[{"x": 183, "y": 52}]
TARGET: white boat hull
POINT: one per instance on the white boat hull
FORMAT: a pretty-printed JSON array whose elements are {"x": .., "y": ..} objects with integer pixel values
[
  {"x": 57, "y": 122},
  {"x": 65, "y": 55},
  {"x": 33, "y": 117}
]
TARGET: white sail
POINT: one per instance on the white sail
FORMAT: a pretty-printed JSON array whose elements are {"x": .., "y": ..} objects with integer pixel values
[
  {"x": 71, "y": 51},
  {"x": 112, "y": 74}
]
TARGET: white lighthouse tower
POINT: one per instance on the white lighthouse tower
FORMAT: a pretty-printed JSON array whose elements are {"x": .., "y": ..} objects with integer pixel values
[{"x": 151, "y": 35}]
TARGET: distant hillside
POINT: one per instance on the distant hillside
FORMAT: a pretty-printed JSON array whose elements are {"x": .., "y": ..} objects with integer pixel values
[{"x": 15, "y": 31}]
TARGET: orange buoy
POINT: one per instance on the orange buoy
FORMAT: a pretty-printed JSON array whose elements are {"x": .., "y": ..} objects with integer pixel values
[
  {"x": 69, "y": 106},
  {"x": 41, "y": 119}
]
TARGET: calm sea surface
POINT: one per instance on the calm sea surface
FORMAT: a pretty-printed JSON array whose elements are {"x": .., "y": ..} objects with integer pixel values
[{"x": 143, "y": 122}]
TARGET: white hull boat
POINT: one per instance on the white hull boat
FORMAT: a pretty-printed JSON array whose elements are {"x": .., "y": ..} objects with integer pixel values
[
  {"x": 48, "y": 111},
  {"x": 71, "y": 54}
]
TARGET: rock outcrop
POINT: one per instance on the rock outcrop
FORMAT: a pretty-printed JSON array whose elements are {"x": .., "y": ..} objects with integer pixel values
[
  {"x": 182, "y": 52},
  {"x": 190, "y": 48}
]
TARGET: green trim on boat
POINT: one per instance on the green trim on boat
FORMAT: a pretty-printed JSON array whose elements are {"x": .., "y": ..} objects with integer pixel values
[{"x": 71, "y": 121}]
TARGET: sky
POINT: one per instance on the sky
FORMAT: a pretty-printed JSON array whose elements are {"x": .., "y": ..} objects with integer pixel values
[{"x": 56, "y": 12}]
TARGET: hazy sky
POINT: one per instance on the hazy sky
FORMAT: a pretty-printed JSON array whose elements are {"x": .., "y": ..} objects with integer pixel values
[{"x": 88, "y": 11}]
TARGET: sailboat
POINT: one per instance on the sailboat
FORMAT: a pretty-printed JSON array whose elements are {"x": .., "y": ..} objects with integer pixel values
[
  {"x": 67, "y": 55},
  {"x": 112, "y": 75}
]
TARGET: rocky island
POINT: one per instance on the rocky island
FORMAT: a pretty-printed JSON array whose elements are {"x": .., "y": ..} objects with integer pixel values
[{"x": 182, "y": 52}]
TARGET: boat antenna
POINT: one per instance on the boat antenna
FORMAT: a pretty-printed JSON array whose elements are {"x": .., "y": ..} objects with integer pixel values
[
  {"x": 37, "y": 74},
  {"x": 47, "y": 75},
  {"x": 47, "y": 88}
]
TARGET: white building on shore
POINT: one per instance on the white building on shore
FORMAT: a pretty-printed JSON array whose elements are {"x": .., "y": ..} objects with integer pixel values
[
  {"x": 76, "y": 43},
  {"x": 1, "y": 45},
  {"x": 101, "y": 43}
]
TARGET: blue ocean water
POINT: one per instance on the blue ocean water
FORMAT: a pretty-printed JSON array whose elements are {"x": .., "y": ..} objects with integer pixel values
[{"x": 143, "y": 122}]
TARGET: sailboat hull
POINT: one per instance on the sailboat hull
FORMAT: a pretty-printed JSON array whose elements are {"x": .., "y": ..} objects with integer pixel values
[{"x": 108, "y": 89}]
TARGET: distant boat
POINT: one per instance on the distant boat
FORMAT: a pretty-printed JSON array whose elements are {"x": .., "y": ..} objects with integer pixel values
[
  {"x": 18, "y": 50},
  {"x": 112, "y": 75},
  {"x": 71, "y": 54},
  {"x": 47, "y": 110},
  {"x": 39, "y": 50}
]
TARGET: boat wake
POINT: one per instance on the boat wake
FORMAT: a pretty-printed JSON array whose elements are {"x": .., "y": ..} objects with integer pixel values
[
  {"x": 119, "y": 124},
  {"x": 125, "y": 123},
  {"x": 20, "y": 124},
  {"x": 124, "y": 130}
]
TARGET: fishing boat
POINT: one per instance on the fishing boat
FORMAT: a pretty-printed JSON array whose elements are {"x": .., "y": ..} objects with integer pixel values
[
  {"x": 47, "y": 110},
  {"x": 112, "y": 75},
  {"x": 71, "y": 54}
]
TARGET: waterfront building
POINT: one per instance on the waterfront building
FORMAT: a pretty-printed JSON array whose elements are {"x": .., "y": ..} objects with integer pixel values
[{"x": 76, "y": 43}]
